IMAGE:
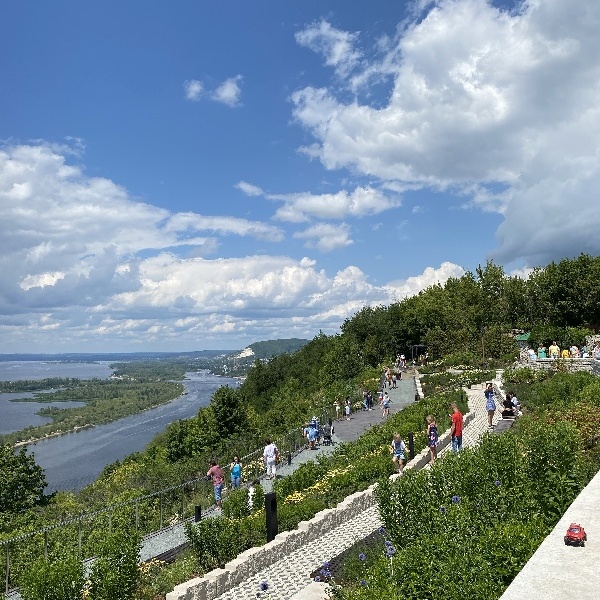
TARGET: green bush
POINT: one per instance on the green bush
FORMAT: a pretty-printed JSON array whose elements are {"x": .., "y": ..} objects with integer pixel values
[
  {"x": 303, "y": 477},
  {"x": 218, "y": 540},
  {"x": 469, "y": 524},
  {"x": 235, "y": 505},
  {"x": 115, "y": 574},
  {"x": 56, "y": 579}
]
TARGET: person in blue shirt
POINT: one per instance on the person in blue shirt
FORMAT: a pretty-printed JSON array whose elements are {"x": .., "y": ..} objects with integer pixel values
[{"x": 236, "y": 472}]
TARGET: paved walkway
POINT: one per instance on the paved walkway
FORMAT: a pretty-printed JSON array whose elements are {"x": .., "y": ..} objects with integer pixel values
[
  {"x": 167, "y": 539},
  {"x": 289, "y": 578},
  {"x": 349, "y": 431}
]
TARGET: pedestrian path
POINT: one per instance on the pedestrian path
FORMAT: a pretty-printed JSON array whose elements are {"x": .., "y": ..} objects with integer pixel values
[
  {"x": 350, "y": 430},
  {"x": 289, "y": 577},
  {"x": 169, "y": 538}
]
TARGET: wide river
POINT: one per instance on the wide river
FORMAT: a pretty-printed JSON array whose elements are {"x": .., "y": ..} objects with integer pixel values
[{"x": 74, "y": 460}]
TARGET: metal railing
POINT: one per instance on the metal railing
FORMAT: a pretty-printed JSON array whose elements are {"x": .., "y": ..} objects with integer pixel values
[{"x": 148, "y": 513}]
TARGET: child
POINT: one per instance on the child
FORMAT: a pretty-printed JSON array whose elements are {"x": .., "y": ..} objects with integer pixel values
[
  {"x": 347, "y": 408},
  {"x": 432, "y": 438},
  {"x": 398, "y": 453}
]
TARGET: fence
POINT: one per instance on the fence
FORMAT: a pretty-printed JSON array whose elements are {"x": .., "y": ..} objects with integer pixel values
[{"x": 147, "y": 514}]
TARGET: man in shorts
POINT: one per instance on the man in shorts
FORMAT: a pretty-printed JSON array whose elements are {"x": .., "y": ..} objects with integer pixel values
[
  {"x": 216, "y": 474},
  {"x": 385, "y": 405},
  {"x": 270, "y": 456}
]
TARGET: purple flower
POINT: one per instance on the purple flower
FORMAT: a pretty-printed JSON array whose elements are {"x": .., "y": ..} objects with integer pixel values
[
  {"x": 390, "y": 551},
  {"x": 362, "y": 556},
  {"x": 381, "y": 530},
  {"x": 497, "y": 483},
  {"x": 264, "y": 586},
  {"x": 326, "y": 573},
  {"x": 443, "y": 510},
  {"x": 388, "y": 543},
  {"x": 363, "y": 583},
  {"x": 327, "y": 565},
  {"x": 317, "y": 578},
  {"x": 456, "y": 499}
]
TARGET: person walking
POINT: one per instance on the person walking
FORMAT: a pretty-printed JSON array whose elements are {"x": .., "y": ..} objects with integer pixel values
[
  {"x": 216, "y": 474},
  {"x": 456, "y": 430},
  {"x": 385, "y": 406},
  {"x": 398, "y": 453},
  {"x": 432, "y": 438},
  {"x": 271, "y": 456},
  {"x": 235, "y": 469},
  {"x": 338, "y": 409},
  {"x": 490, "y": 404},
  {"x": 347, "y": 407}
]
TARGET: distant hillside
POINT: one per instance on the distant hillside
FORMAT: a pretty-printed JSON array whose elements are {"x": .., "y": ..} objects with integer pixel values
[{"x": 276, "y": 347}]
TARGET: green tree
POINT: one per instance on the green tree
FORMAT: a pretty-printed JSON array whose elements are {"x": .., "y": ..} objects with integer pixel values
[
  {"x": 343, "y": 361},
  {"x": 228, "y": 410},
  {"x": 370, "y": 329},
  {"x": 22, "y": 481}
]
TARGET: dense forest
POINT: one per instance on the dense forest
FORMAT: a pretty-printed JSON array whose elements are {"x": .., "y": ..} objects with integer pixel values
[
  {"x": 270, "y": 348},
  {"x": 471, "y": 320}
]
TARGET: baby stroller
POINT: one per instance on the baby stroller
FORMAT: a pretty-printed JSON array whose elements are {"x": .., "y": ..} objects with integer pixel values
[{"x": 326, "y": 433}]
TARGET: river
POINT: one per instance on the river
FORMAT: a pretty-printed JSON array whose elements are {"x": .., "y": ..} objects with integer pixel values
[{"x": 73, "y": 460}]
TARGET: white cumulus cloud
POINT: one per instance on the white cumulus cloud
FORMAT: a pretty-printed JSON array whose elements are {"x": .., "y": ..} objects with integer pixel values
[
  {"x": 193, "y": 89},
  {"x": 497, "y": 105},
  {"x": 325, "y": 237},
  {"x": 337, "y": 47},
  {"x": 229, "y": 91}
]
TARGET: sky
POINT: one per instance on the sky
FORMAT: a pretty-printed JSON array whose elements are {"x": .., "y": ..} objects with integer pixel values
[{"x": 188, "y": 175}]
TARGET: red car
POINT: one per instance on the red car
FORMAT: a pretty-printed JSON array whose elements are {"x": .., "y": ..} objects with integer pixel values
[{"x": 576, "y": 535}]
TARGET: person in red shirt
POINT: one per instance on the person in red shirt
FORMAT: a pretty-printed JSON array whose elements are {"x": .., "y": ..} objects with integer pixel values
[
  {"x": 457, "y": 428},
  {"x": 216, "y": 474}
]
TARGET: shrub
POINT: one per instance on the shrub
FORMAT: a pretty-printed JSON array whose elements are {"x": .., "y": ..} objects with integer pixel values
[
  {"x": 115, "y": 574},
  {"x": 57, "y": 579},
  {"x": 235, "y": 505},
  {"x": 218, "y": 540}
]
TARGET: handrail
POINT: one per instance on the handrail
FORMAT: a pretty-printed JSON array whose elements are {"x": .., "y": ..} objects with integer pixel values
[{"x": 293, "y": 436}]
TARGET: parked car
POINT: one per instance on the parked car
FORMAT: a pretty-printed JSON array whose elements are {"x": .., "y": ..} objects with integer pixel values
[{"x": 576, "y": 535}]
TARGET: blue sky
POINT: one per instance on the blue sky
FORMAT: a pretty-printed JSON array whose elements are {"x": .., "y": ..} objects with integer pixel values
[{"x": 180, "y": 176}]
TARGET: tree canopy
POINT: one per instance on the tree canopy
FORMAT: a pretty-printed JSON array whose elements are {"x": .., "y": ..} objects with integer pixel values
[{"x": 22, "y": 481}]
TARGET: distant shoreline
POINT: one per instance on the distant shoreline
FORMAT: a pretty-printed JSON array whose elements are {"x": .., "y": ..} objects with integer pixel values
[{"x": 76, "y": 429}]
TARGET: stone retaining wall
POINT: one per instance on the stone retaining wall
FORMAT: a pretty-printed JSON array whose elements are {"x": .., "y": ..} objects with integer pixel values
[
  {"x": 574, "y": 364},
  {"x": 250, "y": 562}
]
